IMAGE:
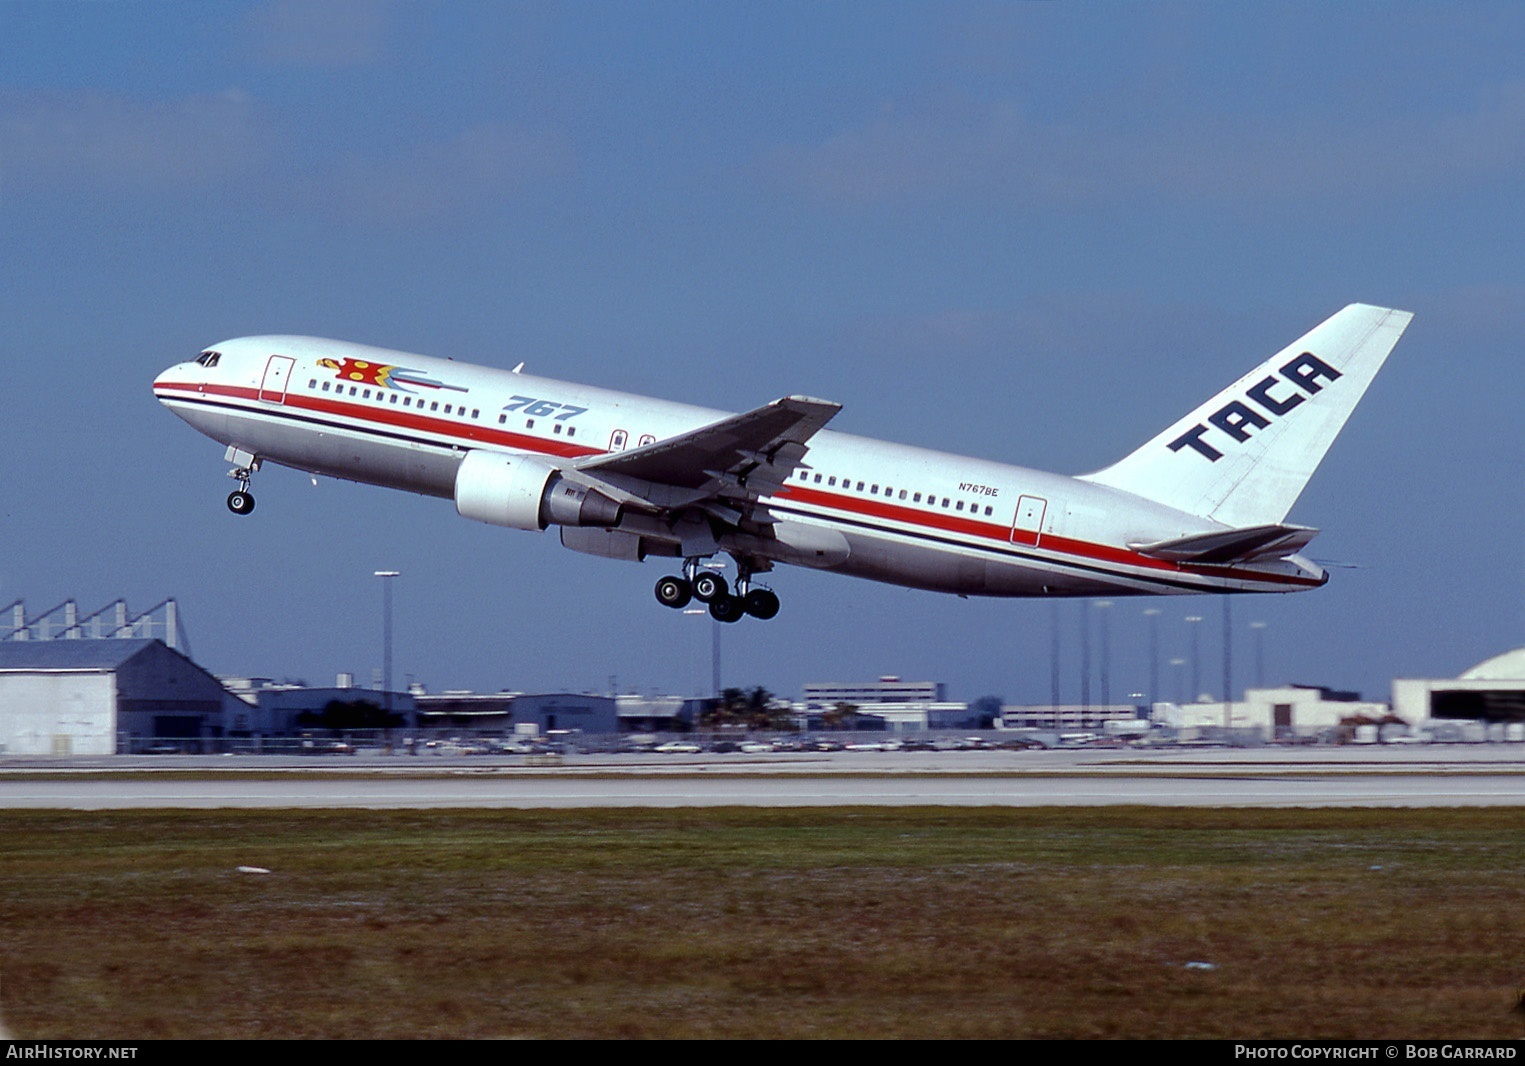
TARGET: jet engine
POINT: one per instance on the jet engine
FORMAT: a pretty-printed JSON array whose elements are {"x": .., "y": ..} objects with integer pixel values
[{"x": 526, "y": 492}]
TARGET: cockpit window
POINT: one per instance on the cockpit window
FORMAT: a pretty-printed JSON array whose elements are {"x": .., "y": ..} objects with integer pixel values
[{"x": 208, "y": 359}]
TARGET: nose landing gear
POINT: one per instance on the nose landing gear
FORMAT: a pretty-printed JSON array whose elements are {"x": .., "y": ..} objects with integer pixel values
[{"x": 241, "y": 501}]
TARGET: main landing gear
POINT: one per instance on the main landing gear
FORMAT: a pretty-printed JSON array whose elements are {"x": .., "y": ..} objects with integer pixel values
[{"x": 710, "y": 588}]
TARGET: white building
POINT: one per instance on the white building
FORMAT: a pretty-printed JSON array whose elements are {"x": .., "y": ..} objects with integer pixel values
[
  {"x": 825, "y": 695},
  {"x": 99, "y": 697},
  {"x": 1275, "y": 713},
  {"x": 1492, "y": 694}
]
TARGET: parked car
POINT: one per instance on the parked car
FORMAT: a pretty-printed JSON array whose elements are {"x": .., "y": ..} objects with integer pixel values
[{"x": 678, "y": 747}]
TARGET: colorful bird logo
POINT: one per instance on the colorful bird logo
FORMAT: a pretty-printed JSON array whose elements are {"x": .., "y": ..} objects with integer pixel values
[{"x": 383, "y": 375}]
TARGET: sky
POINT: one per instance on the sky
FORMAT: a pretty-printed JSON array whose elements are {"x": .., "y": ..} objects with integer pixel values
[{"x": 1034, "y": 233}]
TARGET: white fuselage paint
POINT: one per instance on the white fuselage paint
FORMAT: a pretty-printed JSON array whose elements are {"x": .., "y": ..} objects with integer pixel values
[{"x": 1004, "y": 531}]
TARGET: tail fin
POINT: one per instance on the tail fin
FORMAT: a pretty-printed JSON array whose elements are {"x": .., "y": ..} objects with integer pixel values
[{"x": 1243, "y": 457}]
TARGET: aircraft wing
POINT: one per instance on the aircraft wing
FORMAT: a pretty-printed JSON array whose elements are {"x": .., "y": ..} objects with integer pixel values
[
  {"x": 736, "y": 459},
  {"x": 1253, "y": 544}
]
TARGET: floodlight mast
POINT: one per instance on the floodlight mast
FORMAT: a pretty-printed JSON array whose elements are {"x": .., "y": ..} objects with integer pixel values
[{"x": 386, "y": 639}]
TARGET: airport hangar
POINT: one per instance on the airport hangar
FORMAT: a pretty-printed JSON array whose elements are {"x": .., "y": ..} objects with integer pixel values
[{"x": 77, "y": 697}]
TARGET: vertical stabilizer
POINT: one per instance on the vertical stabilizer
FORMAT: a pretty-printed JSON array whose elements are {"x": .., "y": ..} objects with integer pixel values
[{"x": 1243, "y": 457}]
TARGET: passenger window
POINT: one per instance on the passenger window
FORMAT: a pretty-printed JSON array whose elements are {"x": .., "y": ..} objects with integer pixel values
[
  {"x": 502, "y": 420},
  {"x": 475, "y": 411},
  {"x": 325, "y": 386},
  {"x": 987, "y": 510},
  {"x": 818, "y": 479},
  {"x": 367, "y": 395},
  {"x": 902, "y": 494},
  {"x": 394, "y": 397},
  {"x": 571, "y": 431},
  {"x": 960, "y": 506},
  {"x": 313, "y": 383},
  {"x": 860, "y": 486},
  {"x": 529, "y": 423},
  {"x": 556, "y": 428},
  {"x": 916, "y": 498}
]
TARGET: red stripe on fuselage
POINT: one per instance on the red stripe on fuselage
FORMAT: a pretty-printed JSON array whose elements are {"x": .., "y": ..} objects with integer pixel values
[
  {"x": 996, "y": 531},
  {"x": 404, "y": 418},
  {"x": 932, "y": 520}
]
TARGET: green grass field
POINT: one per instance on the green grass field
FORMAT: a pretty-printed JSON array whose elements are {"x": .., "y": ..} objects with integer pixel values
[{"x": 764, "y": 923}]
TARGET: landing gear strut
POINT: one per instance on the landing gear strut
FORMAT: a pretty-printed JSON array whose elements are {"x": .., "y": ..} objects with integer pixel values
[{"x": 241, "y": 501}]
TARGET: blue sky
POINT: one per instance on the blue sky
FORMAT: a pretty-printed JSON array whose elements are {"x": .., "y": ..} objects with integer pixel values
[{"x": 1036, "y": 233}]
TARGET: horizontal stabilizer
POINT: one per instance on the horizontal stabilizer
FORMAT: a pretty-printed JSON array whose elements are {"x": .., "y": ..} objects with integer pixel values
[{"x": 1255, "y": 544}]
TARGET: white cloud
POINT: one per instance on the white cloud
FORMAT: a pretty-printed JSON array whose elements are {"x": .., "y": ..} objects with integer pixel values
[
  {"x": 98, "y": 140},
  {"x": 999, "y": 151},
  {"x": 481, "y": 164},
  {"x": 320, "y": 33},
  {"x": 90, "y": 143}
]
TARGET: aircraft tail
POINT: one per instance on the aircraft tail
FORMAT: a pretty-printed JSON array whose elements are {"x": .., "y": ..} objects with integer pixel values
[{"x": 1243, "y": 457}]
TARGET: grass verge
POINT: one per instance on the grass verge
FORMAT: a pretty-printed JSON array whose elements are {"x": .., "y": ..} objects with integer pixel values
[{"x": 931, "y": 922}]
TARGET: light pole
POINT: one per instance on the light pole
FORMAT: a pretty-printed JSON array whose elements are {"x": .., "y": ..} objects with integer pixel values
[
  {"x": 1260, "y": 653},
  {"x": 1196, "y": 657},
  {"x": 386, "y": 639},
  {"x": 1228, "y": 662},
  {"x": 714, "y": 648},
  {"x": 1153, "y": 614},
  {"x": 1085, "y": 663},
  {"x": 1106, "y": 653},
  {"x": 1176, "y": 665},
  {"x": 1053, "y": 669}
]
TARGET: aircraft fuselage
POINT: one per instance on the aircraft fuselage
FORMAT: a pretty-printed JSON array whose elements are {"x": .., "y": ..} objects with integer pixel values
[{"x": 888, "y": 512}]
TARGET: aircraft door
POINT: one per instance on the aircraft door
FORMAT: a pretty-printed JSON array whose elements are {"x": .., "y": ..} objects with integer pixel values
[
  {"x": 1029, "y": 524},
  {"x": 618, "y": 440},
  {"x": 277, "y": 376}
]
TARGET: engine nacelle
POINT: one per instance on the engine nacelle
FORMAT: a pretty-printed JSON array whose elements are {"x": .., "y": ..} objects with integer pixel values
[{"x": 526, "y": 492}]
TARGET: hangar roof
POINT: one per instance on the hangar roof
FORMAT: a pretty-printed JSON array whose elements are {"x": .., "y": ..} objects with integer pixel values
[
  {"x": 1509, "y": 666},
  {"x": 106, "y": 654}
]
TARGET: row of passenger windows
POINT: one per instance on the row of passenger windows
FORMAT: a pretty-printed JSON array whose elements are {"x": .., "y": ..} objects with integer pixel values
[
  {"x": 805, "y": 476},
  {"x": 388, "y": 396},
  {"x": 529, "y": 423},
  {"x": 888, "y": 492},
  {"x": 419, "y": 403}
]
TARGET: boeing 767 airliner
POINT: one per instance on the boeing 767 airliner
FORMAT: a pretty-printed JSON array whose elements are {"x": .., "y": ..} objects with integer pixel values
[{"x": 1202, "y": 507}]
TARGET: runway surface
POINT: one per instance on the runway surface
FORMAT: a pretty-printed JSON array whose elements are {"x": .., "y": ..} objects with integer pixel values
[{"x": 1413, "y": 776}]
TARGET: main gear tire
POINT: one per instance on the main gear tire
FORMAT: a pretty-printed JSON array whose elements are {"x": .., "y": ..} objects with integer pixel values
[{"x": 673, "y": 592}]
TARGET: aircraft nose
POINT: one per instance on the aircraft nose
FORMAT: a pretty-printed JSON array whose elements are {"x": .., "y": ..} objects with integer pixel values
[{"x": 178, "y": 375}]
